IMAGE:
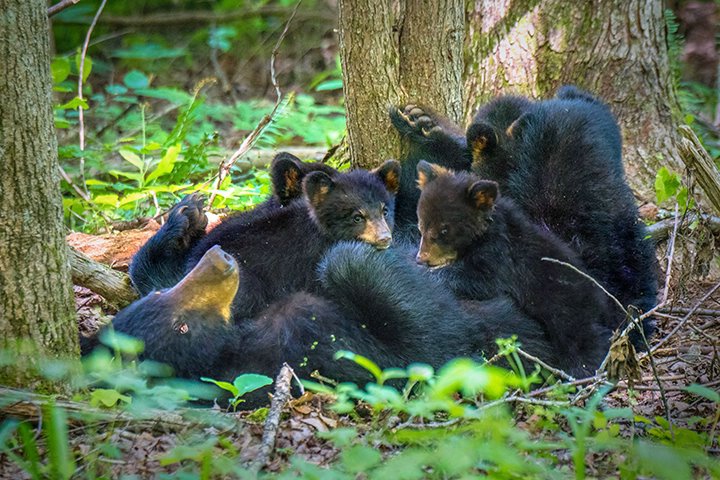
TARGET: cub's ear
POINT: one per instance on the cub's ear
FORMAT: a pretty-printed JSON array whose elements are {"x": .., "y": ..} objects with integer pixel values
[
  {"x": 389, "y": 173},
  {"x": 427, "y": 172},
  {"x": 481, "y": 139},
  {"x": 286, "y": 175},
  {"x": 483, "y": 193},
  {"x": 316, "y": 187},
  {"x": 516, "y": 128}
]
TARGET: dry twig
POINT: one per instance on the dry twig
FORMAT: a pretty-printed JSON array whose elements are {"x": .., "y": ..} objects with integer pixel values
[
  {"x": 60, "y": 6},
  {"x": 272, "y": 423},
  {"x": 81, "y": 70}
]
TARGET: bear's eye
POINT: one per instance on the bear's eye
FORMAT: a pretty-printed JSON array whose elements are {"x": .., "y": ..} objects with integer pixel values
[
  {"x": 358, "y": 218},
  {"x": 385, "y": 211},
  {"x": 443, "y": 232}
]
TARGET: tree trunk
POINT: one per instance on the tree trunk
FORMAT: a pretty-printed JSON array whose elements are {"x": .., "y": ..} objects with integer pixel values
[
  {"x": 616, "y": 49},
  {"x": 37, "y": 316},
  {"x": 392, "y": 53}
]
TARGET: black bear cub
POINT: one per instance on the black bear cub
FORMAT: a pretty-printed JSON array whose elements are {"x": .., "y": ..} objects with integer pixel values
[
  {"x": 277, "y": 249},
  {"x": 162, "y": 261},
  {"x": 560, "y": 160},
  {"x": 490, "y": 248}
]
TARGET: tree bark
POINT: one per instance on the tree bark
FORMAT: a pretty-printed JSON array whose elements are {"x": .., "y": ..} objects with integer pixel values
[
  {"x": 37, "y": 316},
  {"x": 393, "y": 53},
  {"x": 616, "y": 49}
]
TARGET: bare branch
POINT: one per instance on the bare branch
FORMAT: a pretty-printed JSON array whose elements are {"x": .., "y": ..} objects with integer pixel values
[
  {"x": 202, "y": 17},
  {"x": 81, "y": 69},
  {"x": 279, "y": 399},
  {"x": 60, "y": 6}
]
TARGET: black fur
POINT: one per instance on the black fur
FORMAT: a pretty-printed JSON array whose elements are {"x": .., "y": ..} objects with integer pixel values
[
  {"x": 489, "y": 248},
  {"x": 163, "y": 260},
  {"x": 277, "y": 249},
  {"x": 561, "y": 163}
]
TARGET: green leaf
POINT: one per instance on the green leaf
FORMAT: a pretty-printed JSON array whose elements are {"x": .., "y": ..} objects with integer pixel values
[
  {"x": 74, "y": 104},
  {"x": 121, "y": 342},
  {"x": 87, "y": 65},
  {"x": 335, "y": 84},
  {"x": 116, "y": 89},
  {"x": 107, "y": 397},
  {"x": 340, "y": 437},
  {"x": 132, "y": 198},
  {"x": 364, "y": 362},
  {"x": 138, "y": 177},
  {"x": 167, "y": 162},
  {"x": 61, "y": 462},
  {"x": 420, "y": 372},
  {"x": 106, "y": 199},
  {"x": 136, "y": 79},
  {"x": 663, "y": 461},
  {"x": 666, "y": 184},
  {"x": 172, "y": 95},
  {"x": 249, "y": 382},
  {"x": 133, "y": 158},
  {"x": 360, "y": 458},
  {"x": 703, "y": 391},
  {"x": 30, "y": 448},
  {"x": 224, "y": 385},
  {"x": 148, "y": 51},
  {"x": 60, "y": 69}
]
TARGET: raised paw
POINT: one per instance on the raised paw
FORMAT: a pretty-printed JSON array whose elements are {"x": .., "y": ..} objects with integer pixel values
[
  {"x": 418, "y": 120},
  {"x": 187, "y": 222}
]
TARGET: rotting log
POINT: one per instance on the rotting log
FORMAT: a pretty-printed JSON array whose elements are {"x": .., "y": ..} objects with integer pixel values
[{"x": 114, "y": 286}]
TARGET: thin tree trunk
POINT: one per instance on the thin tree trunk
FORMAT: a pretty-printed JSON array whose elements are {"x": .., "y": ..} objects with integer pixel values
[
  {"x": 394, "y": 52},
  {"x": 37, "y": 314},
  {"x": 614, "y": 48}
]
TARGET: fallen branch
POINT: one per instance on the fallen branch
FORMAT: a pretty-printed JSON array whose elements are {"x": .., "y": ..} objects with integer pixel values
[
  {"x": 272, "y": 423},
  {"x": 685, "y": 318},
  {"x": 659, "y": 231},
  {"x": 23, "y": 404},
  {"x": 698, "y": 161},
  {"x": 179, "y": 18},
  {"x": 113, "y": 286}
]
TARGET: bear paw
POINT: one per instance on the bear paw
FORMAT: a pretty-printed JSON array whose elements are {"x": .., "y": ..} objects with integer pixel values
[
  {"x": 419, "y": 120},
  {"x": 186, "y": 222}
]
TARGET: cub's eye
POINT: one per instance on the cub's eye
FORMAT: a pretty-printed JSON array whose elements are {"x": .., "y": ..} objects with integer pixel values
[
  {"x": 357, "y": 218},
  {"x": 385, "y": 211},
  {"x": 443, "y": 232}
]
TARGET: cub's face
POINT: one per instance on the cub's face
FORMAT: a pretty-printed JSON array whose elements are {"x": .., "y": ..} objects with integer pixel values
[
  {"x": 453, "y": 211},
  {"x": 357, "y": 205}
]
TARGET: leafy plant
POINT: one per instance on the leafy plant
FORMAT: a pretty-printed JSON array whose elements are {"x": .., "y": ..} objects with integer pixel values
[{"x": 242, "y": 385}]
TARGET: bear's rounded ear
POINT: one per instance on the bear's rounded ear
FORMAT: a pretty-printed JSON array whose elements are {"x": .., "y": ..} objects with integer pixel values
[
  {"x": 483, "y": 193},
  {"x": 481, "y": 139},
  {"x": 389, "y": 173},
  {"x": 286, "y": 175},
  {"x": 427, "y": 172},
  {"x": 316, "y": 187},
  {"x": 516, "y": 128}
]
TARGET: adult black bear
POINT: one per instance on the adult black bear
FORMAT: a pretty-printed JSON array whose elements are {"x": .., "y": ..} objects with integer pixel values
[
  {"x": 162, "y": 261},
  {"x": 190, "y": 326},
  {"x": 278, "y": 249},
  {"x": 560, "y": 160},
  {"x": 488, "y": 248}
]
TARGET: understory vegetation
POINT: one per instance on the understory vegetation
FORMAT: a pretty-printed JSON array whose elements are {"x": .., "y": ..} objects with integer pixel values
[{"x": 155, "y": 121}]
